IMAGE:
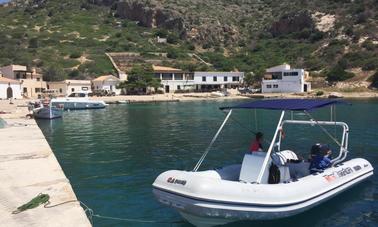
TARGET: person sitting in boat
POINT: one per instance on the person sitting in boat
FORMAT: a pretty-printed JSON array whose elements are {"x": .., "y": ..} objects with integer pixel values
[
  {"x": 321, "y": 161},
  {"x": 315, "y": 151},
  {"x": 256, "y": 145}
]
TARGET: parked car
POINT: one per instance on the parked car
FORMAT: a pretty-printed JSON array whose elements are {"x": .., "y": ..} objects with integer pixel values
[
  {"x": 99, "y": 93},
  {"x": 247, "y": 90}
]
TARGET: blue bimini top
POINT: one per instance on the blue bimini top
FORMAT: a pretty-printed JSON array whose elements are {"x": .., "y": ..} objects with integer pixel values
[{"x": 286, "y": 104}]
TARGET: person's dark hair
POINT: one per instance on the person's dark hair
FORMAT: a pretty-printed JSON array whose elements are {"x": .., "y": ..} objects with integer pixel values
[
  {"x": 315, "y": 150},
  {"x": 259, "y": 135}
]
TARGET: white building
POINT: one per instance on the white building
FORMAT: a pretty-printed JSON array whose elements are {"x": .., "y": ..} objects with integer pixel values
[
  {"x": 107, "y": 83},
  {"x": 10, "y": 88},
  {"x": 161, "y": 40},
  {"x": 173, "y": 79},
  {"x": 217, "y": 80},
  {"x": 66, "y": 87},
  {"x": 32, "y": 84},
  {"x": 283, "y": 79}
]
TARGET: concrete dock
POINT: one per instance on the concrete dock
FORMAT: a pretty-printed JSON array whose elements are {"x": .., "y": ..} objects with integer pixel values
[{"x": 28, "y": 167}]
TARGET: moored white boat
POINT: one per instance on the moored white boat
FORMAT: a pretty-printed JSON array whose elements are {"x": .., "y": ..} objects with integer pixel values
[
  {"x": 48, "y": 112},
  {"x": 245, "y": 192},
  {"x": 78, "y": 101}
]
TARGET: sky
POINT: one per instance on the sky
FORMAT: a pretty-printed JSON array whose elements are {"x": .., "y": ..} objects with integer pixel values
[{"x": 3, "y": 1}]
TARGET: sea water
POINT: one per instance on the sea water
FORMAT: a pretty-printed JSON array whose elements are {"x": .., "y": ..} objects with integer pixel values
[{"x": 112, "y": 156}]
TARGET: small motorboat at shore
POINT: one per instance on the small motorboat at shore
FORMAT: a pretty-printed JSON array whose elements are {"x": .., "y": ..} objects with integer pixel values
[
  {"x": 78, "y": 101},
  {"x": 246, "y": 192},
  {"x": 46, "y": 111},
  {"x": 49, "y": 112}
]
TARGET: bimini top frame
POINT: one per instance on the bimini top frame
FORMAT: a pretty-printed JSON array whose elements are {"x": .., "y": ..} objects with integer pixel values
[
  {"x": 304, "y": 105},
  {"x": 287, "y": 104}
]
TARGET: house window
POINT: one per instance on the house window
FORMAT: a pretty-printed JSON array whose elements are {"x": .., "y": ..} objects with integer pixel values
[
  {"x": 214, "y": 78},
  {"x": 37, "y": 90},
  {"x": 277, "y": 76},
  {"x": 84, "y": 88},
  {"x": 178, "y": 87},
  {"x": 225, "y": 78},
  {"x": 204, "y": 79},
  {"x": 38, "y": 79},
  {"x": 268, "y": 86},
  {"x": 275, "y": 85},
  {"x": 72, "y": 89},
  {"x": 25, "y": 90},
  {"x": 235, "y": 78},
  {"x": 60, "y": 90},
  {"x": 157, "y": 75},
  {"x": 179, "y": 76},
  {"x": 290, "y": 73},
  {"x": 167, "y": 76}
]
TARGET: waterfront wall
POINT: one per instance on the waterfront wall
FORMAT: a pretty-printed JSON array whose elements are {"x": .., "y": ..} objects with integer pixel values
[{"x": 28, "y": 167}]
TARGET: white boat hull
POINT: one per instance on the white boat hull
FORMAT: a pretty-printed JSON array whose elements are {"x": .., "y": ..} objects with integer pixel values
[
  {"x": 204, "y": 199},
  {"x": 47, "y": 113},
  {"x": 77, "y": 104}
]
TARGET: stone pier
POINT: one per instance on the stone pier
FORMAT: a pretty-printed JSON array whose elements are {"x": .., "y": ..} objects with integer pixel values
[{"x": 28, "y": 167}]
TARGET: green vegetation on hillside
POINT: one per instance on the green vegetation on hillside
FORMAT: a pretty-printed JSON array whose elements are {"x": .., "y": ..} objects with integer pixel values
[{"x": 68, "y": 39}]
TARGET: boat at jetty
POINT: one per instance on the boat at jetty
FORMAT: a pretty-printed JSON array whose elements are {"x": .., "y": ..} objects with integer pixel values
[
  {"x": 254, "y": 189},
  {"x": 78, "y": 101},
  {"x": 44, "y": 110},
  {"x": 47, "y": 112}
]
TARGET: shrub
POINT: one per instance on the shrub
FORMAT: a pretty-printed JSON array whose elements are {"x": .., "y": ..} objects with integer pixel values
[
  {"x": 371, "y": 64},
  {"x": 316, "y": 36},
  {"x": 319, "y": 93},
  {"x": 172, "y": 39},
  {"x": 374, "y": 80},
  {"x": 118, "y": 34},
  {"x": 75, "y": 55},
  {"x": 191, "y": 47},
  {"x": 337, "y": 73},
  {"x": 33, "y": 43},
  {"x": 172, "y": 53},
  {"x": 74, "y": 73},
  {"x": 369, "y": 45}
]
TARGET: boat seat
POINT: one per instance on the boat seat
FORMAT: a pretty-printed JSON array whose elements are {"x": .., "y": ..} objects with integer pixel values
[
  {"x": 281, "y": 158},
  {"x": 251, "y": 167}
]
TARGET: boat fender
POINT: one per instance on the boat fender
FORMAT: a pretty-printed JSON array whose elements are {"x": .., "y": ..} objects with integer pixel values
[{"x": 274, "y": 174}]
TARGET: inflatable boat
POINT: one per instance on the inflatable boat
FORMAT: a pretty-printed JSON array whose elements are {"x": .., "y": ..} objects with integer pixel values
[{"x": 246, "y": 191}]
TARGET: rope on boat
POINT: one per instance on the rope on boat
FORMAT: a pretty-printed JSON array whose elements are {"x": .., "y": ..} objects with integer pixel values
[
  {"x": 249, "y": 130},
  {"x": 45, "y": 199},
  {"x": 212, "y": 142},
  {"x": 324, "y": 129}
]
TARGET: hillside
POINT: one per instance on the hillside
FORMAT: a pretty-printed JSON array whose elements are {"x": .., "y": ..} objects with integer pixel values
[{"x": 69, "y": 38}]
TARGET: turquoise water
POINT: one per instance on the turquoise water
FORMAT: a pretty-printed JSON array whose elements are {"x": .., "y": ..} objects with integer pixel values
[
  {"x": 112, "y": 156},
  {"x": 2, "y": 123}
]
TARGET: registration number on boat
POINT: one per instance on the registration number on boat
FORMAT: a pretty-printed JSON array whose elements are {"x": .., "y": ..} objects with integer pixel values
[{"x": 173, "y": 180}]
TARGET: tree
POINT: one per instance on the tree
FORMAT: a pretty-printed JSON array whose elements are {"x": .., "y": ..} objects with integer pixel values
[
  {"x": 53, "y": 74},
  {"x": 140, "y": 78},
  {"x": 337, "y": 73},
  {"x": 249, "y": 79}
]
